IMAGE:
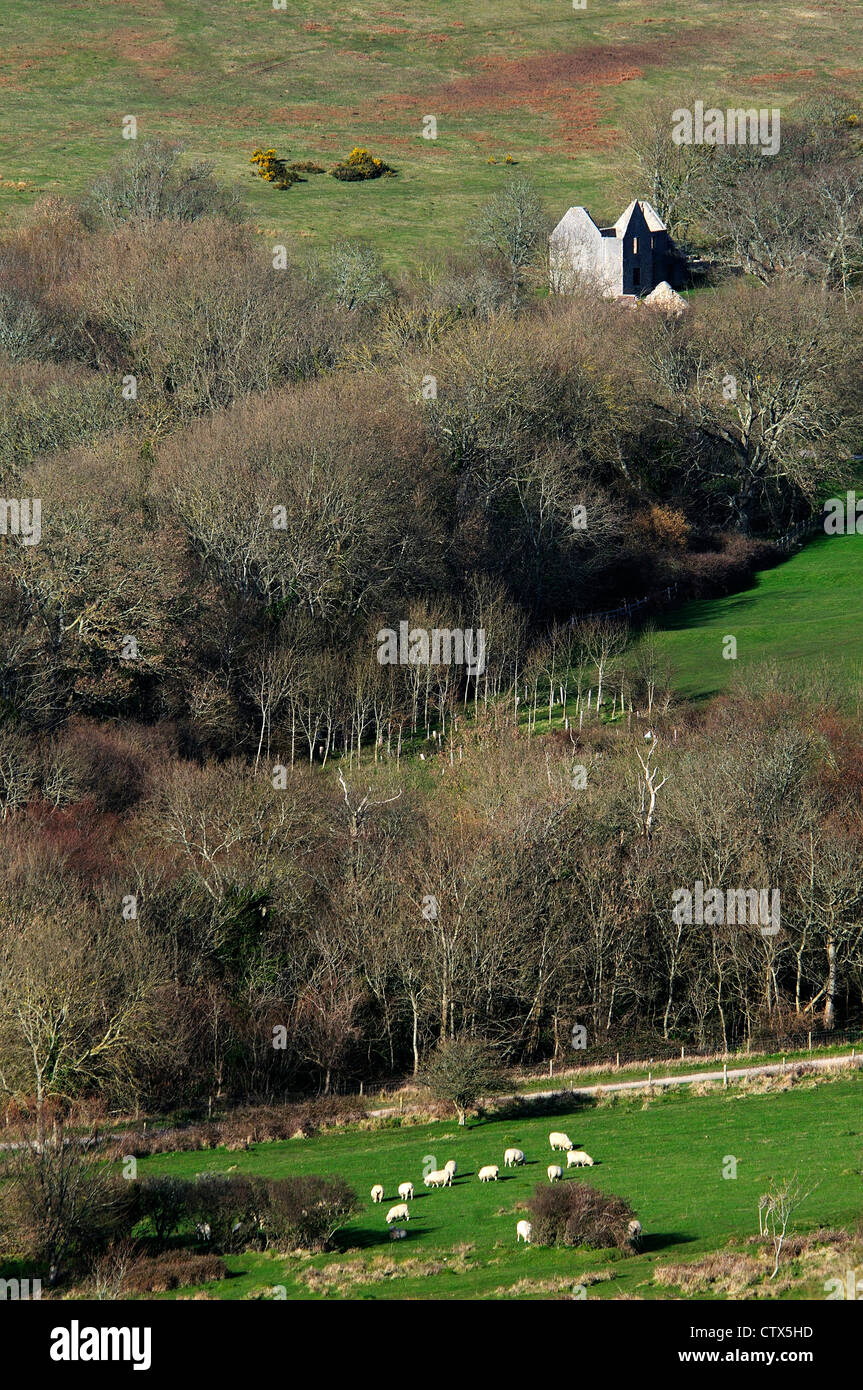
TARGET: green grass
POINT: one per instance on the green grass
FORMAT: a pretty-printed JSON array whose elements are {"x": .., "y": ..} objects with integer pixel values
[
  {"x": 321, "y": 76},
  {"x": 666, "y": 1159},
  {"x": 799, "y": 619},
  {"x": 796, "y": 624}
]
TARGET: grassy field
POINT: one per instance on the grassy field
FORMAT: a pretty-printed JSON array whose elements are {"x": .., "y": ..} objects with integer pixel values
[
  {"x": 665, "y": 1157},
  {"x": 793, "y": 625},
  {"x": 534, "y": 79},
  {"x": 797, "y": 619}
]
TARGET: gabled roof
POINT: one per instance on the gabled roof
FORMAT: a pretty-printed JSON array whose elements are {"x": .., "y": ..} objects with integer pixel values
[
  {"x": 649, "y": 213},
  {"x": 574, "y": 215}
]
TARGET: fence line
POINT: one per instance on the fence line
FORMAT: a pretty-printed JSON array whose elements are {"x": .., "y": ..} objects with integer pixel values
[
  {"x": 627, "y": 607},
  {"x": 783, "y": 542}
]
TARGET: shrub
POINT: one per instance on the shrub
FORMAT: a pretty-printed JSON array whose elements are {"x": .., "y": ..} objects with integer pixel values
[
  {"x": 177, "y": 1270},
  {"x": 23, "y": 332},
  {"x": 148, "y": 183},
  {"x": 354, "y": 276},
  {"x": 663, "y": 528},
  {"x": 361, "y": 164},
  {"x": 60, "y": 1207},
  {"x": 232, "y": 1208},
  {"x": 164, "y": 1200},
  {"x": 46, "y": 408},
  {"x": 576, "y": 1214},
  {"x": 201, "y": 317},
  {"x": 307, "y": 1211},
  {"x": 101, "y": 764},
  {"x": 272, "y": 169},
  {"x": 250, "y": 1213}
]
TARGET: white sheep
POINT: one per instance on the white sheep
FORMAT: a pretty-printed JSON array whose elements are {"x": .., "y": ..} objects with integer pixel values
[
  {"x": 451, "y": 1167},
  {"x": 398, "y": 1213},
  {"x": 554, "y": 1171},
  {"x": 488, "y": 1173},
  {"x": 523, "y": 1231},
  {"x": 513, "y": 1158},
  {"x": 406, "y": 1190},
  {"x": 203, "y": 1230},
  {"x": 577, "y": 1158},
  {"x": 440, "y": 1178},
  {"x": 377, "y": 1193},
  {"x": 398, "y": 1234},
  {"x": 633, "y": 1232},
  {"x": 560, "y": 1141}
]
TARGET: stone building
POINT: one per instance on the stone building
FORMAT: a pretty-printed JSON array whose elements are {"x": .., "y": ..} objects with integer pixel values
[{"x": 631, "y": 258}]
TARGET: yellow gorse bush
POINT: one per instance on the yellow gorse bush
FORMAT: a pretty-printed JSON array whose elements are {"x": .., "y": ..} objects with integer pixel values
[
  {"x": 360, "y": 164},
  {"x": 272, "y": 169}
]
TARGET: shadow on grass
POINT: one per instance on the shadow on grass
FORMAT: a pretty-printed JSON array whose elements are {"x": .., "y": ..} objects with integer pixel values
[
  {"x": 347, "y": 1242},
  {"x": 529, "y": 1107},
  {"x": 656, "y": 1241}
]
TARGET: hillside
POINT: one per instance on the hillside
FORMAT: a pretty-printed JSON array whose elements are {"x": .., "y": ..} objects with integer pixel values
[
  {"x": 796, "y": 619},
  {"x": 541, "y": 82}
]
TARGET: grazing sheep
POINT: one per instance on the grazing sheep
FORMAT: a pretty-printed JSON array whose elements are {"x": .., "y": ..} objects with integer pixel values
[
  {"x": 523, "y": 1231},
  {"x": 397, "y": 1234},
  {"x": 512, "y": 1158},
  {"x": 441, "y": 1178},
  {"x": 451, "y": 1167},
  {"x": 560, "y": 1141},
  {"x": 398, "y": 1213},
  {"x": 488, "y": 1173},
  {"x": 577, "y": 1158},
  {"x": 377, "y": 1193},
  {"x": 203, "y": 1230},
  {"x": 554, "y": 1171},
  {"x": 633, "y": 1233},
  {"x": 406, "y": 1190}
]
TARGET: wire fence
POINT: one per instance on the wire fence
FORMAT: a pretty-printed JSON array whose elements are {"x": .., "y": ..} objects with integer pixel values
[
  {"x": 611, "y": 1056},
  {"x": 785, "y": 542},
  {"x": 628, "y": 607},
  {"x": 660, "y": 1051}
]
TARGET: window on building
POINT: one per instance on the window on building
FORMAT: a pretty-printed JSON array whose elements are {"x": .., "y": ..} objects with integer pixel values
[
  {"x": 636, "y": 275},
  {"x": 635, "y": 246}
]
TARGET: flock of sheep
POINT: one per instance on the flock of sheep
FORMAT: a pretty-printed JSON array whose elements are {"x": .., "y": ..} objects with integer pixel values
[{"x": 513, "y": 1158}]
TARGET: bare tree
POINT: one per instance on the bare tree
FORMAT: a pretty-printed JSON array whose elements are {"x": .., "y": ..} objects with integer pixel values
[
  {"x": 359, "y": 812},
  {"x": 648, "y": 785},
  {"x": 514, "y": 226},
  {"x": 775, "y": 1210}
]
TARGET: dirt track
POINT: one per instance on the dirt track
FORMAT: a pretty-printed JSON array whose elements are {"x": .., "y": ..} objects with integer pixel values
[{"x": 768, "y": 1069}]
